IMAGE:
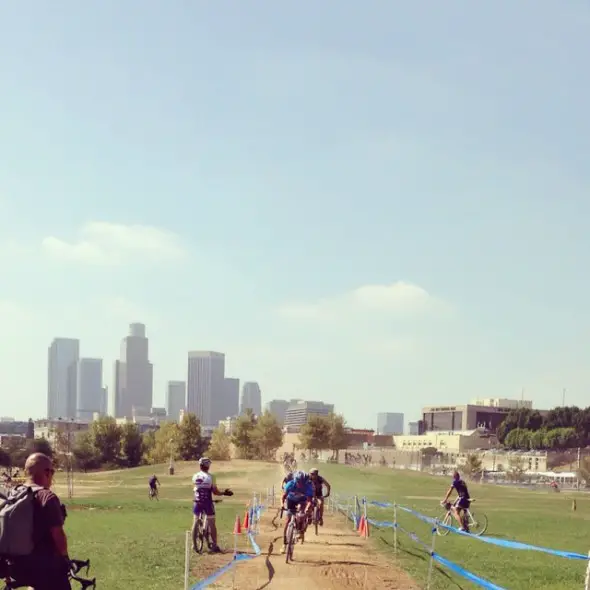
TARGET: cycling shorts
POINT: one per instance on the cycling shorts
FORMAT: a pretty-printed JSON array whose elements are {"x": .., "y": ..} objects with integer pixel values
[
  {"x": 153, "y": 485},
  {"x": 462, "y": 503},
  {"x": 292, "y": 505},
  {"x": 207, "y": 508}
]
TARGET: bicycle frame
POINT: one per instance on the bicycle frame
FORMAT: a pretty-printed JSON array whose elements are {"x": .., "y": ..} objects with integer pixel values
[{"x": 76, "y": 566}]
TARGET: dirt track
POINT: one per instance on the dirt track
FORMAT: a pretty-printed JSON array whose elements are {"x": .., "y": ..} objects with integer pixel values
[{"x": 336, "y": 558}]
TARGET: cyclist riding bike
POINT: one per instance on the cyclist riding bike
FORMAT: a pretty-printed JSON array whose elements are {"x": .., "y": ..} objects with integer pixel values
[
  {"x": 462, "y": 502},
  {"x": 318, "y": 483},
  {"x": 286, "y": 479},
  {"x": 154, "y": 483},
  {"x": 298, "y": 491},
  {"x": 204, "y": 489}
]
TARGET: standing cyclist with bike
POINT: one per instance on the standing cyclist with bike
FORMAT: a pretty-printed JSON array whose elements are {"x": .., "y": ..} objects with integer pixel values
[
  {"x": 318, "y": 483},
  {"x": 462, "y": 502},
  {"x": 204, "y": 489},
  {"x": 297, "y": 491},
  {"x": 154, "y": 483}
]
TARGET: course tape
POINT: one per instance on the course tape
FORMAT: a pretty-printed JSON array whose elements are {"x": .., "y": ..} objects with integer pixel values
[
  {"x": 482, "y": 582},
  {"x": 490, "y": 540},
  {"x": 239, "y": 557}
]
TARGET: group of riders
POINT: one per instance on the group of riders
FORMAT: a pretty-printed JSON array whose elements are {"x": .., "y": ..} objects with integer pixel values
[{"x": 300, "y": 491}]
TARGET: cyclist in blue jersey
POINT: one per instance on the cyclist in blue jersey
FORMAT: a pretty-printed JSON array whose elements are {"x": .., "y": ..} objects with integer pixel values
[
  {"x": 463, "y": 500},
  {"x": 298, "y": 491}
]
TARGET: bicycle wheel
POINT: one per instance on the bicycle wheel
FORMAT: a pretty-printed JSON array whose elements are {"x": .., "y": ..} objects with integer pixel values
[
  {"x": 316, "y": 519},
  {"x": 477, "y": 526},
  {"x": 290, "y": 541},
  {"x": 199, "y": 536},
  {"x": 446, "y": 520}
]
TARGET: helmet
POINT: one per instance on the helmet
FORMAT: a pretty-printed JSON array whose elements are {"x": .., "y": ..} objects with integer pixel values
[
  {"x": 204, "y": 462},
  {"x": 299, "y": 476},
  {"x": 314, "y": 471}
]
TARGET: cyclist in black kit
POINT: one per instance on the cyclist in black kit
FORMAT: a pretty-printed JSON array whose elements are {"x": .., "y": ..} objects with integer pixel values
[{"x": 462, "y": 502}]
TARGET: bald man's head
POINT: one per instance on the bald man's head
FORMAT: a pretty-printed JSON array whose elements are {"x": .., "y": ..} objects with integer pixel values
[{"x": 39, "y": 469}]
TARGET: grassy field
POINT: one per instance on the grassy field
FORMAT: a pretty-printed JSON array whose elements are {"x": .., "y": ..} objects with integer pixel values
[
  {"x": 540, "y": 518},
  {"x": 135, "y": 543}
]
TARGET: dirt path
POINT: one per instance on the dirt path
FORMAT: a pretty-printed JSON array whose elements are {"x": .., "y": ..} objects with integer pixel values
[{"x": 337, "y": 558}]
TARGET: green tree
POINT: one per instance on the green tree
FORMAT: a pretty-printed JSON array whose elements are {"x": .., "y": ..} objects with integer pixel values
[
  {"x": 40, "y": 445},
  {"x": 220, "y": 445},
  {"x": 267, "y": 436},
  {"x": 165, "y": 443},
  {"x": 5, "y": 459},
  {"x": 473, "y": 466},
  {"x": 148, "y": 444},
  {"x": 518, "y": 439},
  {"x": 537, "y": 439},
  {"x": 131, "y": 445},
  {"x": 106, "y": 439},
  {"x": 190, "y": 441},
  {"x": 338, "y": 439},
  {"x": 84, "y": 453},
  {"x": 244, "y": 438},
  {"x": 516, "y": 468},
  {"x": 315, "y": 435}
]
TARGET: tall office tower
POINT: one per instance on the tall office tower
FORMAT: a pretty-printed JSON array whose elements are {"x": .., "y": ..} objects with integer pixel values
[
  {"x": 251, "y": 398},
  {"x": 175, "y": 399},
  {"x": 133, "y": 374},
  {"x": 390, "y": 423},
  {"x": 278, "y": 408},
  {"x": 89, "y": 389},
  {"x": 231, "y": 397},
  {"x": 104, "y": 401},
  {"x": 63, "y": 355},
  {"x": 205, "y": 385}
]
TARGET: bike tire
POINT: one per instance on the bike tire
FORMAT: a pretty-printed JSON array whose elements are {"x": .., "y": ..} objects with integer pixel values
[
  {"x": 290, "y": 542},
  {"x": 200, "y": 538},
  {"x": 316, "y": 520},
  {"x": 446, "y": 520},
  {"x": 482, "y": 521}
]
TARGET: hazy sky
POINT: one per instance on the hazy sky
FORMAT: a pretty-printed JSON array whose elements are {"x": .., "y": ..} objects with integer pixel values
[{"x": 379, "y": 204}]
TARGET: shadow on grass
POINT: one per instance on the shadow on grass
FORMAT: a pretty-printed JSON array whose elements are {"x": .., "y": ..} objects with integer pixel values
[{"x": 423, "y": 556}]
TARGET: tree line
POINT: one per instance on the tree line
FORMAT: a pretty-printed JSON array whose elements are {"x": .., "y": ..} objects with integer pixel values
[
  {"x": 323, "y": 433},
  {"x": 109, "y": 445},
  {"x": 561, "y": 428}
]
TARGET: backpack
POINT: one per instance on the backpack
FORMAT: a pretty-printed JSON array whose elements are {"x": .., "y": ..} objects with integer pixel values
[{"x": 17, "y": 509}]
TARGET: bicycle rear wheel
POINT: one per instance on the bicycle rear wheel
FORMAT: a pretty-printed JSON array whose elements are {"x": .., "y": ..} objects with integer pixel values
[
  {"x": 316, "y": 519},
  {"x": 443, "y": 531},
  {"x": 477, "y": 526},
  {"x": 199, "y": 536}
]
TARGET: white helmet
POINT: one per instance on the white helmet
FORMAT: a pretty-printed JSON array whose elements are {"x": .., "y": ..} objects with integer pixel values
[{"x": 204, "y": 462}]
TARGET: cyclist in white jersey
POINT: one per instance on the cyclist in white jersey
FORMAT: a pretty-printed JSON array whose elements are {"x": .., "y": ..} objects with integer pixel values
[{"x": 205, "y": 488}]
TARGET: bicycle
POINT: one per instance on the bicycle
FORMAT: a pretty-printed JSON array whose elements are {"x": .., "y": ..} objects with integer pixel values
[
  {"x": 314, "y": 518},
  {"x": 295, "y": 531},
  {"x": 76, "y": 566},
  {"x": 476, "y": 526},
  {"x": 202, "y": 533},
  {"x": 153, "y": 493}
]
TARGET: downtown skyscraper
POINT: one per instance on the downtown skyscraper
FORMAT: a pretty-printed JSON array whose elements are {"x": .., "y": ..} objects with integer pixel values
[
  {"x": 206, "y": 386},
  {"x": 251, "y": 398},
  {"x": 63, "y": 355},
  {"x": 133, "y": 387},
  {"x": 89, "y": 389}
]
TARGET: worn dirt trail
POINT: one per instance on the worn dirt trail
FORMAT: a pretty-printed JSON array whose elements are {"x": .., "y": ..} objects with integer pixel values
[{"x": 337, "y": 558}]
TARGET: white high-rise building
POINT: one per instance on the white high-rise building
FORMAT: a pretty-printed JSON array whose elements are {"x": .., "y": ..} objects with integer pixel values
[
  {"x": 133, "y": 385},
  {"x": 89, "y": 389},
  {"x": 205, "y": 386},
  {"x": 63, "y": 355},
  {"x": 175, "y": 399},
  {"x": 390, "y": 423},
  {"x": 251, "y": 398}
]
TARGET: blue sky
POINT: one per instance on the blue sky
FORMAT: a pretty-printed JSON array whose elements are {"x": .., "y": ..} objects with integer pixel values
[{"x": 381, "y": 204}]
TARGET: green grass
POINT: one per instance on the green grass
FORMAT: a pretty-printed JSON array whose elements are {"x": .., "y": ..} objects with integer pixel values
[
  {"x": 137, "y": 543},
  {"x": 540, "y": 518}
]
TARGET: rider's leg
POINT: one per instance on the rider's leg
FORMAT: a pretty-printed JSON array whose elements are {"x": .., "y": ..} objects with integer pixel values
[
  {"x": 194, "y": 531},
  {"x": 287, "y": 520},
  {"x": 321, "y": 510},
  {"x": 212, "y": 529},
  {"x": 457, "y": 515}
]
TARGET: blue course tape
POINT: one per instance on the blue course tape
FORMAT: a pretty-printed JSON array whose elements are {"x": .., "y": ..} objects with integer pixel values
[
  {"x": 201, "y": 585},
  {"x": 491, "y": 540},
  {"x": 483, "y": 583}
]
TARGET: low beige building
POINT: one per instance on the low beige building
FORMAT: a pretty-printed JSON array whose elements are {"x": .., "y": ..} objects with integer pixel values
[
  {"x": 446, "y": 442},
  {"x": 49, "y": 429}
]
